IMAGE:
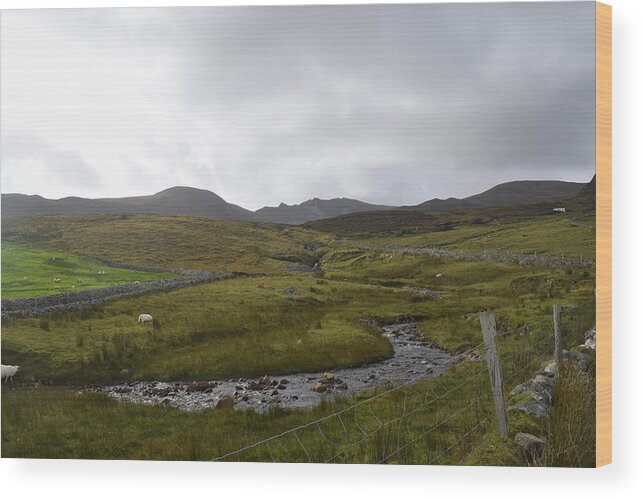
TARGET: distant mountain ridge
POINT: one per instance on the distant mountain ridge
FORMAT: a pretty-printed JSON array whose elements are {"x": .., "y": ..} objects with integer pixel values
[
  {"x": 315, "y": 209},
  {"x": 200, "y": 202},
  {"x": 173, "y": 201}
]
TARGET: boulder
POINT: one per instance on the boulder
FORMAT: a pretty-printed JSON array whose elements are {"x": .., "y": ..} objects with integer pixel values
[
  {"x": 536, "y": 390},
  {"x": 535, "y": 408},
  {"x": 532, "y": 446},
  {"x": 329, "y": 376},
  {"x": 319, "y": 387}
]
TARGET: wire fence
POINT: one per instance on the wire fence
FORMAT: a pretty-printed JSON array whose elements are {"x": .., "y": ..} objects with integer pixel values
[{"x": 439, "y": 421}]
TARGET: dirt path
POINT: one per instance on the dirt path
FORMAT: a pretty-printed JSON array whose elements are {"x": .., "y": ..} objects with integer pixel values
[{"x": 413, "y": 360}]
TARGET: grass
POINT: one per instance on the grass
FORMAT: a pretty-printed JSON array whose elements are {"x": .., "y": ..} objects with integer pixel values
[
  {"x": 167, "y": 241},
  {"x": 55, "y": 423},
  {"x": 571, "y": 430},
  {"x": 29, "y": 271},
  {"x": 240, "y": 327},
  {"x": 555, "y": 234},
  {"x": 277, "y": 322}
]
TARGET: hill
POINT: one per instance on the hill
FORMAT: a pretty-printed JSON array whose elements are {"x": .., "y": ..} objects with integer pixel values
[
  {"x": 200, "y": 202},
  {"x": 509, "y": 193},
  {"x": 314, "y": 209},
  {"x": 173, "y": 201},
  {"x": 165, "y": 241}
]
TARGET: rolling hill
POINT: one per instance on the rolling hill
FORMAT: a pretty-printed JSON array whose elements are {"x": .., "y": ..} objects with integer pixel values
[
  {"x": 200, "y": 202},
  {"x": 173, "y": 201},
  {"x": 509, "y": 193}
]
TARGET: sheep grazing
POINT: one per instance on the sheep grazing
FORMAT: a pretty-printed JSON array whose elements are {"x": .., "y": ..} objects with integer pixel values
[
  {"x": 9, "y": 372},
  {"x": 143, "y": 318},
  {"x": 56, "y": 279}
]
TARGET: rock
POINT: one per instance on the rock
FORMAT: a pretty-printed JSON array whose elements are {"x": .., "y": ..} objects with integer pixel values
[
  {"x": 544, "y": 379},
  {"x": 276, "y": 392},
  {"x": 284, "y": 381},
  {"x": 329, "y": 376},
  {"x": 372, "y": 376},
  {"x": 200, "y": 386},
  {"x": 161, "y": 392},
  {"x": 319, "y": 387},
  {"x": 342, "y": 386},
  {"x": 281, "y": 387},
  {"x": 531, "y": 445},
  {"x": 225, "y": 402},
  {"x": 583, "y": 361},
  {"x": 245, "y": 398},
  {"x": 549, "y": 367},
  {"x": 122, "y": 389},
  {"x": 535, "y": 408},
  {"x": 536, "y": 390},
  {"x": 590, "y": 340},
  {"x": 124, "y": 372}
]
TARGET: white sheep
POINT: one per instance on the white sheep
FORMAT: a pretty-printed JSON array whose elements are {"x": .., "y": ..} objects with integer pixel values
[
  {"x": 143, "y": 318},
  {"x": 56, "y": 279},
  {"x": 9, "y": 372}
]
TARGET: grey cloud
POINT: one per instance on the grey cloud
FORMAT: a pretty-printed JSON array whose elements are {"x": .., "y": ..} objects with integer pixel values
[
  {"x": 393, "y": 104},
  {"x": 26, "y": 156}
]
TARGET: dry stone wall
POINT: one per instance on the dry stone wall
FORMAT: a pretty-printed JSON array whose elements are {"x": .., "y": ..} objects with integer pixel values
[{"x": 75, "y": 300}]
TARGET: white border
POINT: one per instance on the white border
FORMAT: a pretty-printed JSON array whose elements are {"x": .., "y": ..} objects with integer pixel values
[{"x": 117, "y": 479}]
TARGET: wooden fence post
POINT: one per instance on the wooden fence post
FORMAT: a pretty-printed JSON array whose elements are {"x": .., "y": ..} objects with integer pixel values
[
  {"x": 488, "y": 323},
  {"x": 558, "y": 338}
]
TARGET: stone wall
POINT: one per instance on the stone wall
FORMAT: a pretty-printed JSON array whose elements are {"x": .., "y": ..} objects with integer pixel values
[
  {"x": 524, "y": 259},
  {"x": 75, "y": 300}
]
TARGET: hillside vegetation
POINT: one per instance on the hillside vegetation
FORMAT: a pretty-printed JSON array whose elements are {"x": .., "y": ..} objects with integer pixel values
[
  {"x": 170, "y": 242},
  {"x": 276, "y": 320}
]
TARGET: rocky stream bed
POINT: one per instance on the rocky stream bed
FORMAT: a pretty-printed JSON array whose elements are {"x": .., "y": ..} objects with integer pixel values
[{"x": 413, "y": 360}]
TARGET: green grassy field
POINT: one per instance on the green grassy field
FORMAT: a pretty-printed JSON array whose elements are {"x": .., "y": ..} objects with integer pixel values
[
  {"x": 29, "y": 271},
  {"x": 274, "y": 321}
]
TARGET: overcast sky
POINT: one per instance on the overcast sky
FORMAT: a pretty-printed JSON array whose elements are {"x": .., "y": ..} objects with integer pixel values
[{"x": 390, "y": 104}]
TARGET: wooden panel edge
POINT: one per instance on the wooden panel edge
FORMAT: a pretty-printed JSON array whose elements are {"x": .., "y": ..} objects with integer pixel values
[{"x": 603, "y": 234}]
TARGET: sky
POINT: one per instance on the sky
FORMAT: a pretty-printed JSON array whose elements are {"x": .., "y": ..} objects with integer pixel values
[{"x": 389, "y": 104}]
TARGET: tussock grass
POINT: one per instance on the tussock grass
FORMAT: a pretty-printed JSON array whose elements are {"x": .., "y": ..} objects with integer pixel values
[
  {"x": 241, "y": 327},
  {"x": 571, "y": 432}
]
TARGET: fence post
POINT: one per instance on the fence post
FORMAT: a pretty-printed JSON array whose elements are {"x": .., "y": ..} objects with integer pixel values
[
  {"x": 488, "y": 323},
  {"x": 558, "y": 338}
]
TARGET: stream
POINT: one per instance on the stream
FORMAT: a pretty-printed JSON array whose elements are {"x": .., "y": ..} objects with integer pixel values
[{"x": 413, "y": 360}]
